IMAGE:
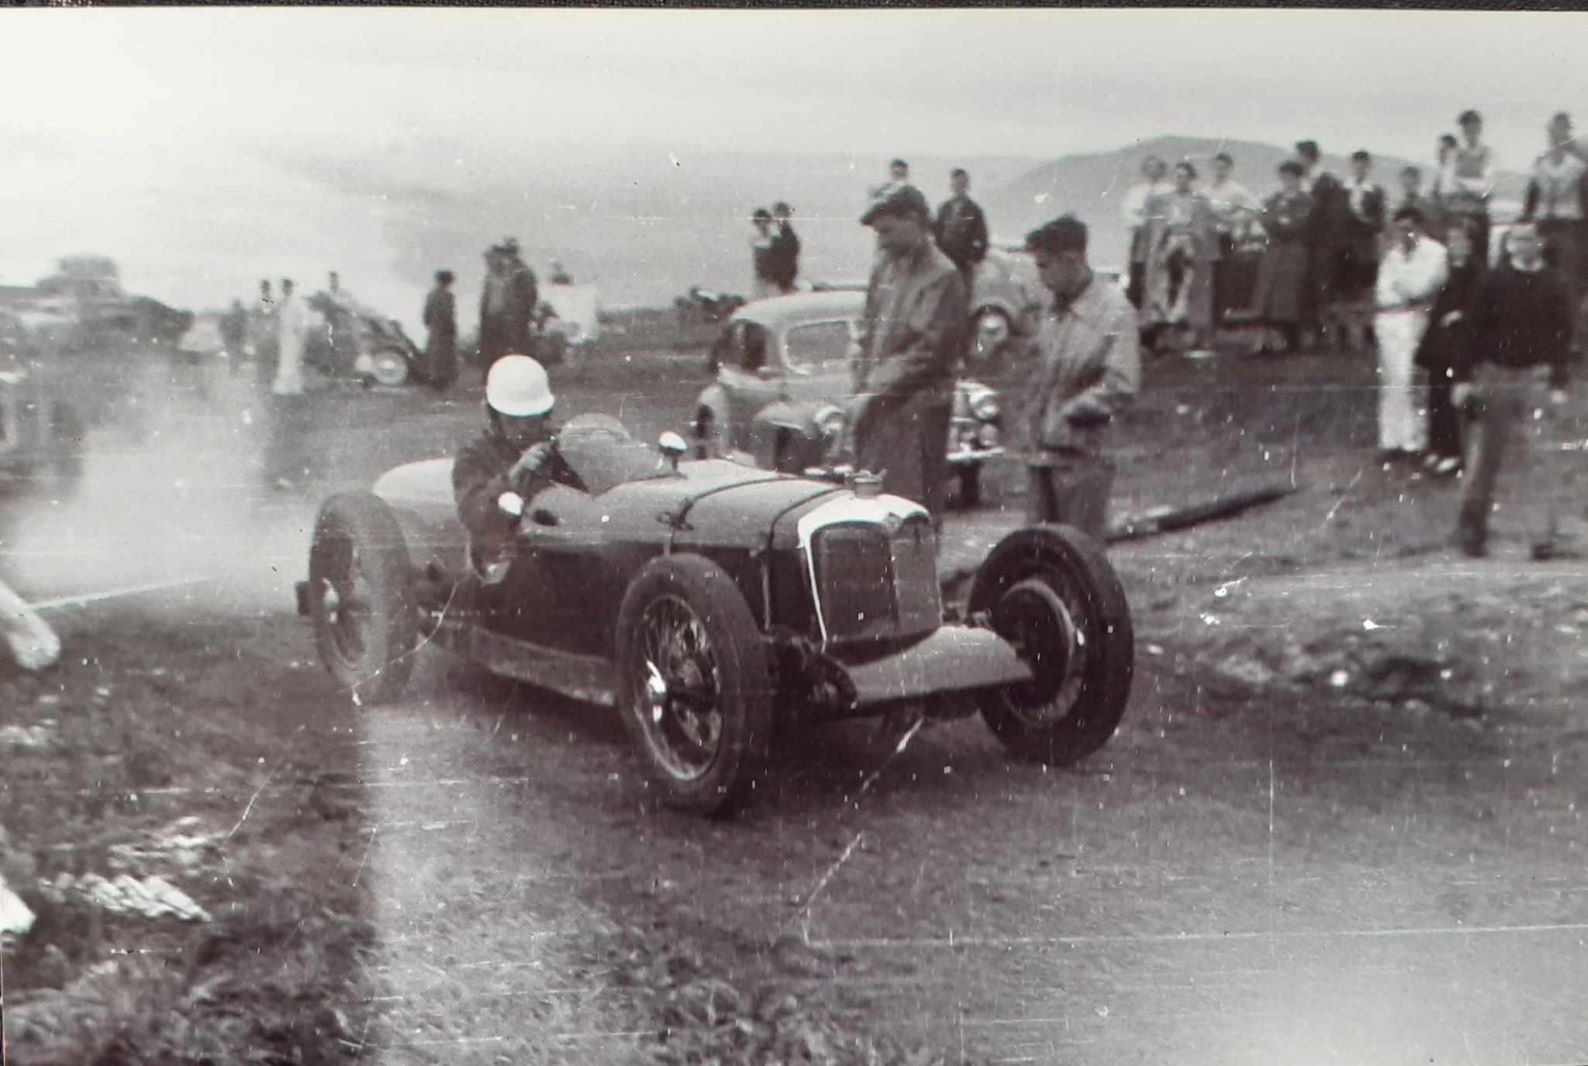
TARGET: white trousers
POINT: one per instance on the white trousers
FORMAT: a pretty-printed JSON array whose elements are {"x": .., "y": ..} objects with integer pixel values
[{"x": 1401, "y": 426}]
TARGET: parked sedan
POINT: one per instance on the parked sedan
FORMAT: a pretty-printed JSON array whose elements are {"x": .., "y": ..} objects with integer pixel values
[{"x": 784, "y": 379}]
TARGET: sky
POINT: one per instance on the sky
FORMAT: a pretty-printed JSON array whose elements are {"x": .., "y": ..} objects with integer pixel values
[{"x": 176, "y": 140}]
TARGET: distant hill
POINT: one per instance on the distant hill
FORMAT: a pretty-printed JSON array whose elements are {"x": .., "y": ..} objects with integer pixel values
[{"x": 1093, "y": 185}]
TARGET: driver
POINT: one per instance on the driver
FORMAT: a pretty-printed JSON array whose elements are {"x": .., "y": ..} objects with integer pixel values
[{"x": 517, "y": 453}]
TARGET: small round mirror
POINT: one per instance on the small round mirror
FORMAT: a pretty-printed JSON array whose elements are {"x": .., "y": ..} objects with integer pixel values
[{"x": 671, "y": 444}]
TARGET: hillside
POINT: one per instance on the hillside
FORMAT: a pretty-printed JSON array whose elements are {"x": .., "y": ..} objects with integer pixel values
[{"x": 1093, "y": 185}]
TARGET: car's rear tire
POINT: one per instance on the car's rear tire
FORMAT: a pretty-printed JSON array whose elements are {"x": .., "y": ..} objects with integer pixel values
[
  {"x": 1050, "y": 591},
  {"x": 366, "y": 623},
  {"x": 389, "y": 367},
  {"x": 694, "y": 684}
]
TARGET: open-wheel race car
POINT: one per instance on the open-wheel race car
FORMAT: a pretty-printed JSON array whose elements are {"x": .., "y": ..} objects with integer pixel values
[{"x": 716, "y": 604}]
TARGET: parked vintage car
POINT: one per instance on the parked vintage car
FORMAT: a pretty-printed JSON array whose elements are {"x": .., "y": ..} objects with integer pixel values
[
  {"x": 783, "y": 369},
  {"x": 1006, "y": 303},
  {"x": 360, "y": 343},
  {"x": 715, "y": 604},
  {"x": 41, "y": 435}
]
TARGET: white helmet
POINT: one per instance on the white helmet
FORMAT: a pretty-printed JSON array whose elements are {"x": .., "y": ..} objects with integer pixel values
[{"x": 517, "y": 386}]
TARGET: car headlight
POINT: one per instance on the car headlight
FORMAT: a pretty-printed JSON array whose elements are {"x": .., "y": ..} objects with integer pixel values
[
  {"x": 984, "y": 405},
  {"x": 830, "y": 422},
  {"x": 992, "y": 329}
]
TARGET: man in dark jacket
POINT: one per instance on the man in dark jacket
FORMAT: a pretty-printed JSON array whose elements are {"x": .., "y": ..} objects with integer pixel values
[
  {"x": 523, "y": 297},
  {"x": 783, "y": 259},
  {"x": 1517, "y": 381},
  {"x": 1326, "y": 192},
  {"x": 912, "y": 336},
  {"x": 1357, "y": 233},
  {"x": 441, "y": 320},
  {"x": 496, "y": 474},
  {"x": 961, "y": 227}
]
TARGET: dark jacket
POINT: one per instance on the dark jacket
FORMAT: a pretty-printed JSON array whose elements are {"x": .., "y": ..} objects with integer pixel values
[
  {"x": 441, "y": 313},
  {"x": 1446, "y": 350},
  {"x": 782, "y": 263},
  {"x": 1362, "y": 231},
  {"x": 1523, "y": 319},
  {"x": 1328, "y": 208},
  {"x": 480, "y": 474},
  {"x": 961, "y": 231}
]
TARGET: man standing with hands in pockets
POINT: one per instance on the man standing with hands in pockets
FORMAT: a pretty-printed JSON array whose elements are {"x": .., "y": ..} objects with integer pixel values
[
  {"x": 1087, "y": 370},
  {"x": 1516, "y": 388},
  {"x": 912, "y": 337}
]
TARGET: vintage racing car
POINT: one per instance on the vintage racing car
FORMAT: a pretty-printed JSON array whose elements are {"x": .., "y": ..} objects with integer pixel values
[
  {"x": 714, "y": 603},
  {"x": 783, "y": 383}
]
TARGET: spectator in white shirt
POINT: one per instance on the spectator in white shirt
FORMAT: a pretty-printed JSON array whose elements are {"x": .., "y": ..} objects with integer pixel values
[
  {"x": 1411, "y": 275},
  {"x": 1469, "y": 180},
  {"x": 1154, "y": 171}
]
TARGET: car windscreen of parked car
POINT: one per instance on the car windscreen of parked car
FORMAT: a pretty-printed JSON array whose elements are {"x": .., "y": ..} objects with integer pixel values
[{"x": 819, "y": 349}]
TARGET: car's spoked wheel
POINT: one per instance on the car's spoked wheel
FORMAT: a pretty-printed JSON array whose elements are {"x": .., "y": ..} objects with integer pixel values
[
  {"x": 1050, "y": 592},
  {"x": 683, "y": 713},
  {"x": 695, "y": 683},
  {"x": 360, "y": 596},
  {"x": 344, "y": 602}
]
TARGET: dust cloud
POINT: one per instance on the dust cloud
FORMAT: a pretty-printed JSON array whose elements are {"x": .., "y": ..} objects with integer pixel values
[{"x": 173, "y": 489}]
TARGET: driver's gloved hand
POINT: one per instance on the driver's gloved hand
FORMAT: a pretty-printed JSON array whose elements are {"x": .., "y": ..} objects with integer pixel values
[{"x": 535, "y": 460}]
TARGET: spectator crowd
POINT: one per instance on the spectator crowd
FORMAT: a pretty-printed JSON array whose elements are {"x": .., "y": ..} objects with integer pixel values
[{"x": 1473, "y": 344}]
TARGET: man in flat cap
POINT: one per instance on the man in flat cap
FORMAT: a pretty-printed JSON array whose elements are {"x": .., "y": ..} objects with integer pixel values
[
  {"x": 912, "y": 336},
  {"x": 1087, "y": 370}
]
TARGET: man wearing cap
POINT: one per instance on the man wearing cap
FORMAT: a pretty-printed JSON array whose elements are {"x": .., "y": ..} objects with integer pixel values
[
  {"x": 1087, "y": 370},
  {"x": 516, "y": 455},
  {"x": 912, "y": 335}
]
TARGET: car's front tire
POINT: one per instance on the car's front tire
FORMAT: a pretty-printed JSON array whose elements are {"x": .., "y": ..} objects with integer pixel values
[
  {"x": 1051, "y": 593},
  {"x": 695, "y": 688},
  {"x": 366, "y": 623}
]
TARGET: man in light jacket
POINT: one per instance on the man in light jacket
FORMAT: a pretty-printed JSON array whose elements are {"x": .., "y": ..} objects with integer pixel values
[
  {"x": 1087, "y": 370},
  {"x": 912, "y": 336},
  {"x": 1413, "y": 270}
]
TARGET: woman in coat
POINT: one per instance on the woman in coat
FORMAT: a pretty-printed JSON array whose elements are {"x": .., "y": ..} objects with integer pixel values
[
  {"x": 1182, "y": 247},
  {"x": 1446, "y": 348},
  {"x": 1282, "y": 276}
]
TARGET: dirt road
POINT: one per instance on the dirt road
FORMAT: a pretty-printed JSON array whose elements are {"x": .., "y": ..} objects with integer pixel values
[{"x": 1343, "y": 820}]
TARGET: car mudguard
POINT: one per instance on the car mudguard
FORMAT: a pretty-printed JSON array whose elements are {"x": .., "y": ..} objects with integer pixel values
[{"x": 784, "y": 436}]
